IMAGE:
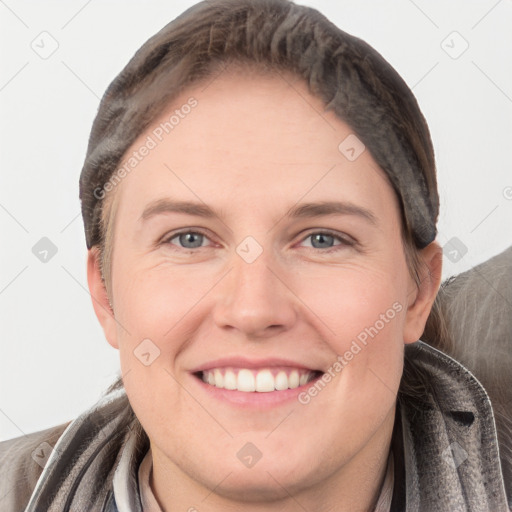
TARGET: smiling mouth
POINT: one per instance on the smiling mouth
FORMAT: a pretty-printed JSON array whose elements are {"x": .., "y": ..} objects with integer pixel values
[{"x": 262, "y": 380}]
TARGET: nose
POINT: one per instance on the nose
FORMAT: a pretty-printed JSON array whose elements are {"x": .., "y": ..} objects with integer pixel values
[{"x": 255, "y": 299}]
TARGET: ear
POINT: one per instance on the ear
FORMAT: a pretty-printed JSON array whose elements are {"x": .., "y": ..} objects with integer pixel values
[
  {"x": 100, "y": 301},
  {"x": 424, "y": 295}
]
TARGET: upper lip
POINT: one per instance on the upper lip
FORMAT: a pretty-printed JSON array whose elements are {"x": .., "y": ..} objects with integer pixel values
[{"x": 243, "y": 362}]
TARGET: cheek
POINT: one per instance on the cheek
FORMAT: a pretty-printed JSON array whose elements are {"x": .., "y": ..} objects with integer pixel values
[
  {"x": 157, "y": 309},
  {"x": 355, "y": 303},
  {"x": 154, "y": 302},
  {"x": 362, "y": 313}
]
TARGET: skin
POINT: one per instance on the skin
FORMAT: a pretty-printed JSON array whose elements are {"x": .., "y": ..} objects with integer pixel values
[{"x": 251, "y": 149}]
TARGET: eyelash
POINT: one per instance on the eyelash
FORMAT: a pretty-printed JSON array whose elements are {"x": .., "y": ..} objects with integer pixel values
[{"x": 345, "y": 241}]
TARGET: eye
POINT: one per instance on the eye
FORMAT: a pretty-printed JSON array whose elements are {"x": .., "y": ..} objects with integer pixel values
[
  {"x": 187, "y": 239},
  {"x": 327, "y": 239}
]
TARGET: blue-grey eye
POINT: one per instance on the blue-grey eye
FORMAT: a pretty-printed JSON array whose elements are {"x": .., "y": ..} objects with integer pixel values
[
  {"x": 322, "y": 239},
  {"x": 190, "y": 239}
]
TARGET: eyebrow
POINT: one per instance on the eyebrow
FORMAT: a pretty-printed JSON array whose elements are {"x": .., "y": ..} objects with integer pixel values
[{"x": 303, "y": 210}]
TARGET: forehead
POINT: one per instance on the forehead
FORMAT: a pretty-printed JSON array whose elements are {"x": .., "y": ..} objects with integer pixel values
[{"x": 237, "y": 137}]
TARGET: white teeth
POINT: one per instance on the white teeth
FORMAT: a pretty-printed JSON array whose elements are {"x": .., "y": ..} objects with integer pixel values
[
  {"x": 262, "y": 381},
  {"x": 229, "y": 380},
  {"x": 281, "y": 381},
  {"x": 246, "y": 381},
  {"x": 293, "y": 379},
  {"x": 219, "y": 378}
]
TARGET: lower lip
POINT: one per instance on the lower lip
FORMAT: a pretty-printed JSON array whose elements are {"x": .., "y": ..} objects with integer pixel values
[{"x": 255, "y": 398}]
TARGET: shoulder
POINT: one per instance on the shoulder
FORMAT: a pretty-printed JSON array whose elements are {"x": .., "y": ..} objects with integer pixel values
[
  {"x": 478, "y": 302},
  {"x": 22, "y": 460},
  {"x": 476, "y": 307}
]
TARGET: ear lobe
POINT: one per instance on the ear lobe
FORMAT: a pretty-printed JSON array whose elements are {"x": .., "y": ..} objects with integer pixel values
[
  {"x": 99, "y": 296},
  {"x": 418, "y": 311}
]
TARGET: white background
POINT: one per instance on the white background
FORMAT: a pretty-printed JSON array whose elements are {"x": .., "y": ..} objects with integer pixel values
[{"x": 54, "y": 360}]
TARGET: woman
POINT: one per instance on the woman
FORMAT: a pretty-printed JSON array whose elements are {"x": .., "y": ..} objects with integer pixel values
[{"x": 261, "y": 369}]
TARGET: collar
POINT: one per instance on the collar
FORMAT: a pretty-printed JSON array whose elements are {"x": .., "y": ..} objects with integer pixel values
[{"x": 450, "y": 447}]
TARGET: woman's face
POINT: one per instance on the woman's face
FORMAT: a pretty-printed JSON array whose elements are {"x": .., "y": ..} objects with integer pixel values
[{"x": 293, "y": 269}]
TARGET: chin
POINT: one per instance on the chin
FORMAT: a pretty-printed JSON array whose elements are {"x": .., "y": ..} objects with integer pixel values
[
  {"x": 258, "y": 486},
  {"x": 268, "y": 480}
]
